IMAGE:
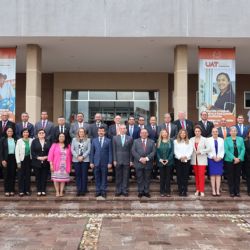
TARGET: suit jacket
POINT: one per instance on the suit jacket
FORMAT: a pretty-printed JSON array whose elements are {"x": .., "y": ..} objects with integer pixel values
[
  {"x": 247, "y": 148},
  {"x": 136, "y": 132},
  {"x": 229, "y": 148},
  {"x": 173, "y": 129},
  {"x": 206, "y": 132},
  {"x": 138, "y": 152},
  {"x": 112, "y": 131},
  {"x": 74, "y": 128},
  {"x": 4, "y": 149},
  {"x": 220, "y": 133},
  {"x": 9, "y": 124},
  {"x": 122, "y": 153},
  {"x": 85, "y": 149},
  {"x": 37, "y": 150},
  {"x": 20, "y": 150},
  {"x": 189, "y": 127},
  {"x": 153, "y": 135},
  {"x": 48, "y": 129},
  {"x": 212, "y": 152},
  {"x": 56, "y": 132},
  {"x": 19, "y": 128},
  {"x": 93, "y": 129},
  {"x": 101, "y": 156},
  {"x": 203, "y": 148},
  {"x": 245, "y": 129}
]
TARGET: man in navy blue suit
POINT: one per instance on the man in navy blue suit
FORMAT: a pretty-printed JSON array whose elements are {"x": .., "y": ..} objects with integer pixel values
[
  {"x": 132, "y": 129},
  {"x": 241, "y": 128},
  {"x": 101, "y": 161},
  {"x": 24, "y": 124}
]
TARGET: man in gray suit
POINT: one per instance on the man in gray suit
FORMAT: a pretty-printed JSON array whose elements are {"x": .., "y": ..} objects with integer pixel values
[
  {"x": 45, "y": 124},
  {"x": 169, "y": 126},
  {"x": 143, "y": 151},
  {"x": 122, "y": 160},
  {"x": 93, "y": 128},
  {"x": 78, "y": 124}
]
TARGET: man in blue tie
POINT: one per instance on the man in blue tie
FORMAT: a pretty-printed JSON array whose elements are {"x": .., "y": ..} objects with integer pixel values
[
  {"x": 122, "y": 160},
  {"x": 101, "y": 161}
]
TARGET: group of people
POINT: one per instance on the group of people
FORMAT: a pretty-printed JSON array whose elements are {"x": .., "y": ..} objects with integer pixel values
[{"x": 52, "y": 150}]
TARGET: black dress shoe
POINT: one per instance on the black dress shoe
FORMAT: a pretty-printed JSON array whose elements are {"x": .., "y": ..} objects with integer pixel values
[
  {"x": 231, "y": 195},
  {"x": 184, "y": 194},
  {"x": 78, "y": 194},
  {"x": 147, "y": 195},
  {"x": 97, "y": 194},
  {"x": 104, "y": 195},
  {"x": 180, "y": 194},
  {"x": 82, "y": 194},
  {"x": 237, "y": 194},
  {"x": 140, "y": 195},
  {"x": 125, "y": 194},
  {"x": 248, "y": 193},
  {"x": 28, "y": 193},
  {"x": 117, "y": 194}
]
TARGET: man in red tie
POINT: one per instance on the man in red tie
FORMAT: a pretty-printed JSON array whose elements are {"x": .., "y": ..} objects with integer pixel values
[
  {"x": 183, "y": 123},
  {"x": 143, "y": 151},
  {"x": 5, "y": 123}
]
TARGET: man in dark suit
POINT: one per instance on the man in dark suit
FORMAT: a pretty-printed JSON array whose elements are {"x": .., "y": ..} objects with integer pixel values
[
  {"x": 241, "y": 128},
  {"x": 24, "y": 124},
  {"x": 141, "y": 122},
  {"x": 206, "y": 126},
  {"x": 62, "y": 127},
  {"x": 114, "y": 128},
  {"x": 169, "y": 126},
  {"x": 45, "y": 124},
  {"x": 122, "y": 160},
  {"x": 143, "y": 151},
  {"x": 152, "y": 129},
  {"x": 132, "y": 129},
  {"x": 183, "y": 123},
  {"x": 223, "y": 130},
  {"x": 80, "y": 123},
  {"x": 93, "y": 128},
  {"x": 5, "y": 123},
  {"x": 101, "y": 161}
]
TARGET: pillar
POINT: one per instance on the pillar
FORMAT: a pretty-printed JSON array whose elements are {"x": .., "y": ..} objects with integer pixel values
[
  {"x": 33, "y": 82},
  {"x": 180, "y": 79}
]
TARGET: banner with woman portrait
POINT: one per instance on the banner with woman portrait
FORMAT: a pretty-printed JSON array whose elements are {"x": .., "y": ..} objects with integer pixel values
[
  {"x": 217, "y": 84},
  {"x": 8, "y": 81}
]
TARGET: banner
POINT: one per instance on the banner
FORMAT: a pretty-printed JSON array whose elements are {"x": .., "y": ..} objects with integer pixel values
[
  {"x": 217, "y": 84},
  {"x": 8, "y": 81}
]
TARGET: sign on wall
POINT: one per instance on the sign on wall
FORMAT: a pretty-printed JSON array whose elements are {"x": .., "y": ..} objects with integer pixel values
[
  {"x": 8, "y": 81},
  {"x": 217, "y": 84}
]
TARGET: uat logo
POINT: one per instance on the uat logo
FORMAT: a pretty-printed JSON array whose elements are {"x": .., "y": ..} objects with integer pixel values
[{"x": 211, "y": 64}]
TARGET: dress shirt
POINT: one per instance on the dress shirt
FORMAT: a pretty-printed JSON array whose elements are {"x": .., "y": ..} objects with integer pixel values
[{"x": 182, "y": 149}]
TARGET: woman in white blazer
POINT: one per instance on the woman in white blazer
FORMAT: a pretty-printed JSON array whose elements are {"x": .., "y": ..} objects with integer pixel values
[
  {"x": 199, "y": 159},
  {"x": 23, "y": 160},
  {"x": 215, "y": 161}
]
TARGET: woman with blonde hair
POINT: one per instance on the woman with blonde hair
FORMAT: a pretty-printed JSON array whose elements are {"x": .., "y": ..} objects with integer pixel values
[
  {"x": 80, "y": 149},
  {"x": 183, "y": 151},
  {"x": 165, "y": 161}
]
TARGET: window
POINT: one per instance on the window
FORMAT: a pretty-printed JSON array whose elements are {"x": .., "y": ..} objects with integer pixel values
[{"x": 247, "y": 99}]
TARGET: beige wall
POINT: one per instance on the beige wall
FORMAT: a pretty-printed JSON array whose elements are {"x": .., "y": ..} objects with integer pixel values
[{"x": 110, "y": 81}]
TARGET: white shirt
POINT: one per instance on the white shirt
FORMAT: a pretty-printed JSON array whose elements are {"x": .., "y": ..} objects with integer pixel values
[{"x": 183, "y": 149}]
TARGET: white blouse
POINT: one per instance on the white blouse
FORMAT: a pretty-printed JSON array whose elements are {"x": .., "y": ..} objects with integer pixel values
[{"x": 182, "y": 149}]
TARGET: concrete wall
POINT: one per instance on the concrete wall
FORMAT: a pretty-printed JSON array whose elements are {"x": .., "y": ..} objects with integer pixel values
[{"x": 126, "y": 18}]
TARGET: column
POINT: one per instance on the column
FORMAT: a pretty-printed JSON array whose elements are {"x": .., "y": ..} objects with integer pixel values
[
  {"x": 33, "y": 82},
  {"x": 180, "y": 79}
]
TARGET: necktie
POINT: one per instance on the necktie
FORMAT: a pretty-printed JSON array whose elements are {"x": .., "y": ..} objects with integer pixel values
[
  {"x": 123, "y": 139},
  {"x": 131, "y": 130},
  {"x": 167, "y": 127},
  {"x": 4, "y": 125},
  {"x": 61, "y": 129},
  {"x": 144, "y": 144},
  {"x": 98, "y": 124},
  {"x": 182, "y": 125},
  {"x": 224, "y": 132},
  {"x": 216, "y": 146},
  {"x": 101, "y": 141},
  {"x": 43, "y": 124}
]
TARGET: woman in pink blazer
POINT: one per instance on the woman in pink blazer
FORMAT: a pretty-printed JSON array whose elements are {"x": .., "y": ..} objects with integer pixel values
[{"x": 60, "y": 163}]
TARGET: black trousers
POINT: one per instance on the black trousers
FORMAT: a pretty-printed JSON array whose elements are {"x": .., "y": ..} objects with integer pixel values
[
  {"x": 182, "y": 172},
  {"x": 41, "y": 177},
  {"x": 122, "y": 178},
  {"x": 9, "y": 174},
  {"x": 233, "y": 177},
  {"x": 247, "y": 168},
  {"x": 143, "y": 179},
  {"x": 165, "y": 179},
  {"x": 24, "y": 175}
]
